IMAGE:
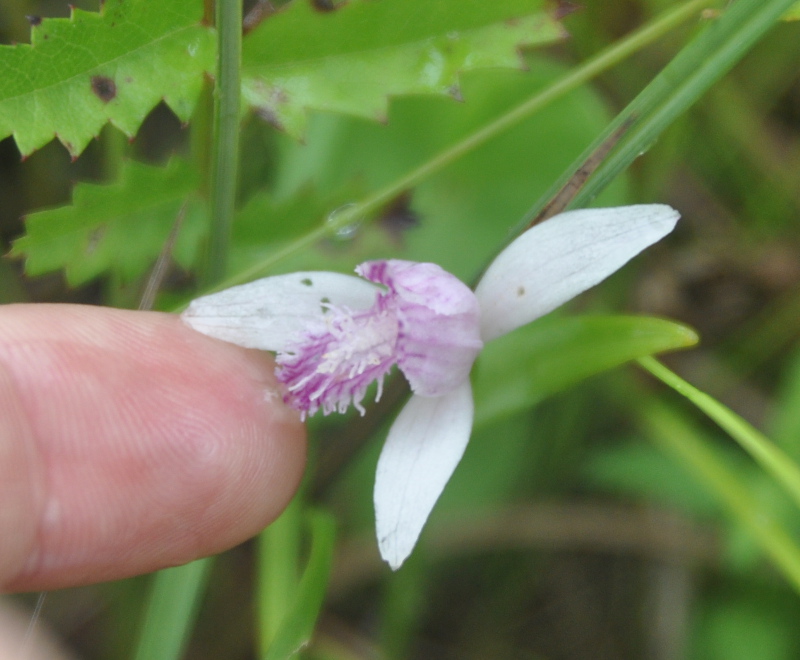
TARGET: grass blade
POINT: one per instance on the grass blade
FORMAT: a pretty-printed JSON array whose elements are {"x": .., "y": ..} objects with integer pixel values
[
  {"x": 682, "y": 82},
  {"x": 171, "y": 610},
  {"x": 298, "y": 625},
  {"x": 767, "y": 454}
]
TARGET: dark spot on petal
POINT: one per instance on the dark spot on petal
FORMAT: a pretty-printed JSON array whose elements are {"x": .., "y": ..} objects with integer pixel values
[
  {"x": 306, "y": 281},
  {"x": 104, "y": 88},
  {"x": 34, "y": 20},
  {"x": 521, "y": 291},
  {"x": 324, "y": 305}
]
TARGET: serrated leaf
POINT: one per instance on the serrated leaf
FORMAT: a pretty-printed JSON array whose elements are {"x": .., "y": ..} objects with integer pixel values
[
  {"x": 351, "y": 60},
  {"x": 120, "y": 227},
  {"x": 116, "y": 65},
  {"x": 521, "y": 368}
]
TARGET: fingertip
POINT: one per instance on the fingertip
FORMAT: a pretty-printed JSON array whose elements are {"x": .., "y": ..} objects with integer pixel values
[{"x": 158, "y": 445}]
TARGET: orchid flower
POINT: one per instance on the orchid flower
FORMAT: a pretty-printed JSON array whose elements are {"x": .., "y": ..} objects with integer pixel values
[{"x": 336, "y": 334}]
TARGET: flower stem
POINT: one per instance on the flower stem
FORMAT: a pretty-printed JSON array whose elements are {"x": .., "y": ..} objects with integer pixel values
[
  {"x": 225, "y": 146},
  {"x": 572, "y": 80}
]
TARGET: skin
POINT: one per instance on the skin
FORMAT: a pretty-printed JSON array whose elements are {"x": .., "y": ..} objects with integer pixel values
[{"x": 129, "y": 443}]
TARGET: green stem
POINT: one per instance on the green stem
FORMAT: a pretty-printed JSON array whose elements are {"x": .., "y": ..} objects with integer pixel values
[
  {"x": 278, "y": 572},
  {"x": 225, "y": 148},
  {"x": 771, "y": 457},
  {"x": 572, "y": 80},
  {"x": 171, "y": 610}
]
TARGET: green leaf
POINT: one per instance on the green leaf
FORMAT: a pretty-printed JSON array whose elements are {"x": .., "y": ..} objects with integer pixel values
[
  {"x": 351, "y": 60},
  {"x": 81, "y": 72},
  {"x": 278, "y": 576},
  {"x": 298, "y": 625},
  {"x": 793, "y": 14},
  {"x": 171, "y": 610},
  {"x": 554, "y": 353},
  {"x": 120, "y": 227}
]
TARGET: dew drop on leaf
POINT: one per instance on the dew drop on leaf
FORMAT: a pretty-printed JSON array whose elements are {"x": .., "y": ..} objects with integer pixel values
[{"x": 348, "y": 231}]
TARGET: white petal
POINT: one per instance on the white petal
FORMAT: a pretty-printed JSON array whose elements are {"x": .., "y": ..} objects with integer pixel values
[
  {"x": 267, "y": 313},
  {"x": 424, "y": 446},
  {"x": 562, "y": 257}
]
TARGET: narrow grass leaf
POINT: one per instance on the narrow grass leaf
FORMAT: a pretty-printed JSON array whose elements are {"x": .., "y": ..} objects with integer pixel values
[
  {"x": 771, "y": 457},
  {"x": 171, "y": 610},
  {"x": 298, "y": 625},
  {"x": 684, "y": 80}
]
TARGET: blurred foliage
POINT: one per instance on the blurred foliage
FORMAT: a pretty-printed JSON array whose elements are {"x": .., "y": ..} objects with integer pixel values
[
  {"x": 569, "y": 530},
  {"x": 352, "y": 61}
]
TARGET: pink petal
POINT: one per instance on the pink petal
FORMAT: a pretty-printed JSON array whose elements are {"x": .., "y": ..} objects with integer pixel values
[{"x": 439, "y": 323}]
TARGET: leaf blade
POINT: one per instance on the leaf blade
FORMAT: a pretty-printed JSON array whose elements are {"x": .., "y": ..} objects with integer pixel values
[
  {"x": 353, "y": 59},
  {"x": 298, "y": 625},
  {"x": 140, "y": 54},
  {"x": 522, "y": 368},
  {"x": 136, "y": 212}
]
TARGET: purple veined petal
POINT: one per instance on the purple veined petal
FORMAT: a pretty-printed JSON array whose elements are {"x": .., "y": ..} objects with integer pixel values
[
  {"x": 269, "y": 312},
  {"x": 555, "y": 261},
  {"x": 439, "y": 323},
  {"x": 424, "y": 446}
]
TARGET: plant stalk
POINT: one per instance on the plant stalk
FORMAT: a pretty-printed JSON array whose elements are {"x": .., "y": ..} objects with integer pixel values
[{"x": 225, "y": 146}]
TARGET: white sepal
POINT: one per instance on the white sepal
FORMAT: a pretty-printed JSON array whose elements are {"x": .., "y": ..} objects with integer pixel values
[
  {"x": 424, "y": 446},
  {"x": 555, "y": 261},
  {"x": 269, "y": 312}
]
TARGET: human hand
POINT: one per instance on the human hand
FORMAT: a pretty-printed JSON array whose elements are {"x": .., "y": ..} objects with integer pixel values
[{"x": 129, "y": 443}]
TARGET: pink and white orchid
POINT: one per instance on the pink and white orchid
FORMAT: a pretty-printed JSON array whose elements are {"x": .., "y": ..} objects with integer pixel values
[{"x": 335, "y": 334}]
